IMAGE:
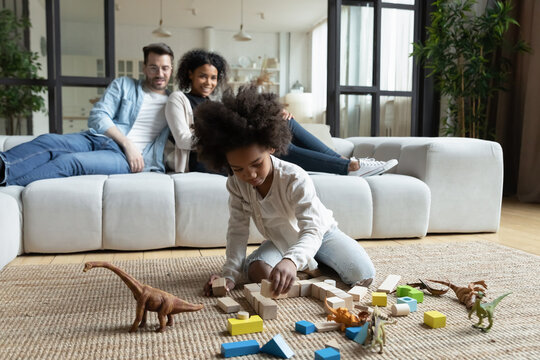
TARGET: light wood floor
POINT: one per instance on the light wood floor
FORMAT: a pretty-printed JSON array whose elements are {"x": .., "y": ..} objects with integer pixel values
[{"x": 520, "y": 228}]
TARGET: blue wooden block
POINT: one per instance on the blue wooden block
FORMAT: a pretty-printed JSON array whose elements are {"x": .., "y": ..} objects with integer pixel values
[
  {"x": 304, "y": 327},
  {"x": 413, "y": 303},
  {"x": 239, "y": 348},
  {"x": 327, "y": 354},
  {"x": 352, "y": 331},
  {"x": 362, "y": 334},
  {"x": 278, "y": 347}
]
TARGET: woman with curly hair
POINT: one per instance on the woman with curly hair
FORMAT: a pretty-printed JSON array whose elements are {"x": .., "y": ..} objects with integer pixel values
[
  {"x": 202, "y": 73},
  {"x": 242, "y": 134}
]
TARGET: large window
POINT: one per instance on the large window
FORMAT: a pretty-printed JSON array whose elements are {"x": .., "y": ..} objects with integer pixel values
[
  {"x": 371, "y": 78},
  {"x": 77, "y": 61}
]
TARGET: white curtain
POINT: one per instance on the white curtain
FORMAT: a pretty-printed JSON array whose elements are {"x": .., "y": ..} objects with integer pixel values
[
  {"x": 319, "y": 38},
  {"x": 356, "y": 69}
]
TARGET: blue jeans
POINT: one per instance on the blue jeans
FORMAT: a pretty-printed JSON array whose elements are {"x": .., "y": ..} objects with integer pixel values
[
  {"x": 338, "y": 251},
  {"x": 53, "y": 156},
  {"x": 311, "y": 154}
]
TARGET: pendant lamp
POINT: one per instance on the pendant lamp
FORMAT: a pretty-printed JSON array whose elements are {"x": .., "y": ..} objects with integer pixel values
[
  {"x": 242, "y": 35},
  {"x": 160, "y": 31}
]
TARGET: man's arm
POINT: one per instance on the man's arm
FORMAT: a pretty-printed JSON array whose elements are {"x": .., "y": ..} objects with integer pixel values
[{"x": 133, "y": 155}]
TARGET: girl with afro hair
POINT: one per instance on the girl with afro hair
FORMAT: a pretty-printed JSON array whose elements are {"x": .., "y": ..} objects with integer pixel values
[
  {"x": 242, "y": 134},
  {"x": 201, "y": 74}
]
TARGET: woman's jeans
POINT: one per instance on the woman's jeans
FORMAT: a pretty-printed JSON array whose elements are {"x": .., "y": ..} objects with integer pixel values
[
  {"x": 53, "y": 156},
  {"x": 311, "y": 154}
]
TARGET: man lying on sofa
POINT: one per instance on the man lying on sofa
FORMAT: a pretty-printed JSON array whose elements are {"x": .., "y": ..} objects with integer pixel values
[{"x": 127, "y": 132}]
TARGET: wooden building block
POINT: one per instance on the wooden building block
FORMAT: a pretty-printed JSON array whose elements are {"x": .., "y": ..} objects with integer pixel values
[
  {"x": 228, "y": 305},
  {"x": 315, "y": 289},
  {"x": 266, "y": 290},
  {"x": 413, "y": 303},
  {"x": 416, "y": 294},
  {"x": 256, "y": 300},
  {"x": 304, "y": 327},
  {"x": 252, "y": 325},
  {"x": 294, "y": 290},
  {"x": 239, "y": 348},
  {"x": 327, "y": 326},
  {"x": 324, "y": 291},
  {"x": 358, "y": 292},
  {"x": 242, "y": 315},
  {"x": 378, "y": 299},
  {"x": 218, "y": 287},
  {"x": 327, "y": 354},
  {"x": 268, "y": 309},
  {"x": 403, "y": 290},
  {"x": 330, "y": 282},
  {"x": 332, "y": 344},
  {"x": 434, "y": 319},
  {"x": 389, "y": 284},
  {"x": 305, "y": 287},
  {"x": 278, "y": 347},
  {"x": 348, "y": 299},
  {"x": 334, "y": 303},
  {"x": 400, "y": 309}
]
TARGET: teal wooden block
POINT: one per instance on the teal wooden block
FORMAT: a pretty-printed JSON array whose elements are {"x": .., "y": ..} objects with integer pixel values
[{"x": 413, "y": 303}]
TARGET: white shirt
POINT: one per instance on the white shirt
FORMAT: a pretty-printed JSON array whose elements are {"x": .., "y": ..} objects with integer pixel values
[
  {"x": 290, "y": 215},
  {"x": 150, "y": 120}
]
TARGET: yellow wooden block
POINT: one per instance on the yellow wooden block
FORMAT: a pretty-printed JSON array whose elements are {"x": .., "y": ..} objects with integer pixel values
[
  {"x": 252, "y": 325},
  {"x": 378, "y": 299},
  {"x": 434, "y": 319}
]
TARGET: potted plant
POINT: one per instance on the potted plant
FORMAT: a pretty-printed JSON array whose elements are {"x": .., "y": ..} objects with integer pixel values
[
  {"x": 464, "y": 53},
  {"x": 17, "y": 101}
]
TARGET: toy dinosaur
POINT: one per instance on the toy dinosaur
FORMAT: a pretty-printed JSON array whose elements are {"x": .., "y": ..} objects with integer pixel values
[
  {"x": 422, "y": 285},
  {"x": 376, "y": 332},
  {"x": 343, "y": 316},
  {"x": 466, "y": 295},
  {"x": 484, "y": 310},
  {"x": 148, "y": 298}
]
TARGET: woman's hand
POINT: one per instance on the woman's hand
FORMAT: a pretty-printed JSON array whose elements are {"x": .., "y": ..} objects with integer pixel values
[
  {"x": 286, "y": 115},
  {"x": 283, "y": 276},
  {"x": 207, "y": 291}
]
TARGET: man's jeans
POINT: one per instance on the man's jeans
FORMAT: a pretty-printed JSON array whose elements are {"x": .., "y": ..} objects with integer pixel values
[
  {"x": 53, "y": 156},
  {"x": 311, "y": 154}
]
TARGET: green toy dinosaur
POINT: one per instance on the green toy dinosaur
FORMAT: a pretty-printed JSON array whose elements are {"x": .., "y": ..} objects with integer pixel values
[
  {"x": 377, "y": 333},
  {"x": 484, "y": 310}
]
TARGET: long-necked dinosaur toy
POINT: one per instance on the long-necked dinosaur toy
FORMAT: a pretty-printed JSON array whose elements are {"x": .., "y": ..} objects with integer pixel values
[{"x": 148, "y": 299}]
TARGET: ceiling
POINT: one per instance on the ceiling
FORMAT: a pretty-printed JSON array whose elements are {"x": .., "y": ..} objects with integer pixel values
[{"x": 277, "y": 15}]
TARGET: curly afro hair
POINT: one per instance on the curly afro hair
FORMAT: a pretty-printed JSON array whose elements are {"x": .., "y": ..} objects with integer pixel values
[
  {"x": 199, "y": 57},
  {"x": 238, "y": 121}
]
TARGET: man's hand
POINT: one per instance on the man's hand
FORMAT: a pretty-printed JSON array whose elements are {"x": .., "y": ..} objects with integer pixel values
[
  {"x": 207, "y": 290},
  {"x": 283, "y": 276},
  {"x": 134, "y": 157}
]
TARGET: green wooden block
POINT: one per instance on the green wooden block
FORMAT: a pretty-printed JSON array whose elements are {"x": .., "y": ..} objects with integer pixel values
[
  {"x": 416, "y": 294},
  {"x": 403, "y": 290}
]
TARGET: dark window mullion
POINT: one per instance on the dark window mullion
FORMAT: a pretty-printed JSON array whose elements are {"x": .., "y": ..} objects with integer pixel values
[
  {"x": 333, "y": 66},
  {"x": 109, "y": 40},
  {"x": 375, "y": 99}
]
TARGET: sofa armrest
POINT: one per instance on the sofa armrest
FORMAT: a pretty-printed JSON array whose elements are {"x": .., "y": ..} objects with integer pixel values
[{"x": 465, "y": 177}]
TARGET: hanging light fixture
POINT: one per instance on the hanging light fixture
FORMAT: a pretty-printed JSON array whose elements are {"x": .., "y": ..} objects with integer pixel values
[
  {"x": 242, "y": 35},
  {"x": 160, "y": 31}
]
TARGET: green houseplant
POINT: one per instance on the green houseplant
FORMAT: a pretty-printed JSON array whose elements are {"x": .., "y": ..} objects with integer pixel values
[
  {"x": 17, "y": 101},
  {"x": 463, "y": 51}
]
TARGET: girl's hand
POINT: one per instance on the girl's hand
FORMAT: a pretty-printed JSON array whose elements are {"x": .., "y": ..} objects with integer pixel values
[
  {"x": 207, "y": 291},
  {"x": 286, "y": 115},
  {"x": 283, "y": 276}
]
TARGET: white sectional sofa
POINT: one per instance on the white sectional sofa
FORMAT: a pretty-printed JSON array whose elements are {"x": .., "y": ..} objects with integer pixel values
[{"x": 440, "y": 185}]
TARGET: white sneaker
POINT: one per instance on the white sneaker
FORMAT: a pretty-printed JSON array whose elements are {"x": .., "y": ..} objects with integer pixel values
[{"x": 370, "y": 167}]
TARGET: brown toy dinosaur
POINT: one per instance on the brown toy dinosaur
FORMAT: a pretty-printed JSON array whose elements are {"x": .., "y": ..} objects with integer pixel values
[
  {"x": 466, "y": 295},
  {"x": 343, "y": 316},
  {"x": 148, "y": 298}
]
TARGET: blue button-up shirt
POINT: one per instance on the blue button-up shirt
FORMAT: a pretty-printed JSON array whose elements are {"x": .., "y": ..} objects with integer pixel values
[{"x": 119, "y": 106}]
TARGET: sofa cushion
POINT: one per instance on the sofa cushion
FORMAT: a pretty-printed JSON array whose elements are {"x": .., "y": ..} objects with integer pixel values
[
  {"x": 400, "y": 206},
  {"x": 15, "y": 192},
  {"x": 10, "y": 225},
  {"x": 138, "y": 212},
  {"x": 349, "y": 198},
  {"x": 63, "y": 215}
]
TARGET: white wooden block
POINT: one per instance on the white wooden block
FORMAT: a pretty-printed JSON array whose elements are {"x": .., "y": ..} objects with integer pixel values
[
  {"x": 242, "y": 315},
  {"x": 358, "y": 292},
  {"x": 334, "y": 303},
  {"x": 305, "y": 287},
  {"x": 400, "y": 310},
  {"x": 389, "y": 284},
  {"x": 323, "y": 292},
  {"x": 228, "y": 305},
  {"x": 330, "y": 282},
  {"x": 327, "y": 326},
  {"x": 348, "y": 298},
  {"x": 266, "y": 290},
  {"x": 315, "y": 289}
]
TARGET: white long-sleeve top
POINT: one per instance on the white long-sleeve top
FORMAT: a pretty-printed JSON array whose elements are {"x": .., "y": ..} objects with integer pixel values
[
  {"x": 290, "y": 215},
  {"x": 179, "y": 117}
]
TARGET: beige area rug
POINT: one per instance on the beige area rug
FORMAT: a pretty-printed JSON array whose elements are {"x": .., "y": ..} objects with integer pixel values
[{"x": 59, "y": 312}]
